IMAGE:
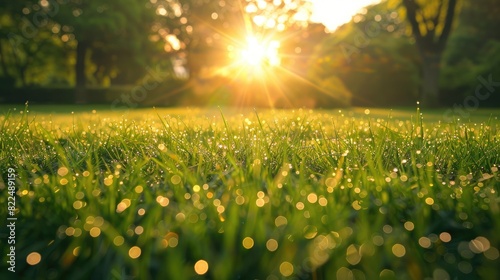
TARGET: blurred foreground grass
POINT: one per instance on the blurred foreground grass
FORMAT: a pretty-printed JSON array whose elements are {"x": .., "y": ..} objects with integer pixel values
[{"x": 203, "y": 194}]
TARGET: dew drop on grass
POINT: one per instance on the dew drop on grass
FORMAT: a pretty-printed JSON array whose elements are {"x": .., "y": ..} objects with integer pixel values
[
  {"x": 286, "y": 269},
  {"x": 247, "y": 243},
  {"x": 299, "y": 206},
  {"x": 118, "y": 240},
  {"x": 78, "y": 232},
  {"x": 163, "y": 201},
  {"x": 353, "y": 256},
  {"x": 424, "y": 242},
  {"x": 70, "y": 231},
  {"x": 387, "y": 274},
  {"x": 356, "y": 205},
  {"x": 272, "y": 245},
  {"x": 96, "y": 192},
  {"x": 216, "y": 202},
  {"x": 79, "y": 195},
  {"x": 280, "y": 221},
  {"x": 260, "y": 202},
  {"x": 220, "y": 209},
  {"x": 409, "y": 226},
  {"x": 124, "y": 204},
  {"x": 176, "y": 179},
  {"x": 95, "y": 232},
  {"x": 139, "y": 230},
  {"x": 398, "y": 250},
  {"x": 77, "y": 205},
  {"x": 312, "y": 198},
  {"x": 33, "y": 258},
  {"x": 240, "y": 200},
  {"x": 492, "y": 253},
  {"x": 387, "y": 229},
  {"x": 323, "y": 201},
  {"x": 62, "y": 171},
  {"x": 479, "y": 245},
  {"x": 445, "y": 237},
  {"x": 134, "y": 252},
  {"x": 429, "y": 201},
  {"x": 344, "y": 273},
  {"x": 201, "y": 267},
  {"x": 310, "y": 231},
  {"x": 108, "y": 181},
  {"x": 180, "y": 217},
  {"x": 260, "y": 194}
]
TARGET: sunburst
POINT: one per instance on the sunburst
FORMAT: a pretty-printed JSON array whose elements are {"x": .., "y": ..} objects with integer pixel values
[{"x": 258, "y": 53}]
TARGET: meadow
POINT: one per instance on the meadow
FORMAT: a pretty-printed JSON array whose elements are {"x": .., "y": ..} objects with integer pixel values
[{"x": 251, "y": 194}]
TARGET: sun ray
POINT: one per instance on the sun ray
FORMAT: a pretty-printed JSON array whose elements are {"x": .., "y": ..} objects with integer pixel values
[{"x": 256, "y": 66}]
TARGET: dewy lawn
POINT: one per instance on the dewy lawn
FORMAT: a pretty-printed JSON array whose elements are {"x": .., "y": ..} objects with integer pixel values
[{"x": 209, "y": 194}]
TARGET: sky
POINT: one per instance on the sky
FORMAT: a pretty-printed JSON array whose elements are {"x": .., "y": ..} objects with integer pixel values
[{"x": 333, "y": 13}]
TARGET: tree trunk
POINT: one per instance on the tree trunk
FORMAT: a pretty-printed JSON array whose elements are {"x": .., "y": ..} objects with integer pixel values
[
  {"x": 430, "y": 44},
  {"x": 19, "y": 67},
  {"x": 2, "y": 62},
  {"x": 429, "y": 93},
  {"x": 80, "y": 91}
]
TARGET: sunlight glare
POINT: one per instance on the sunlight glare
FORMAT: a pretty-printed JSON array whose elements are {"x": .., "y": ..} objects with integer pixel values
[{"x": 258, "y": 53}]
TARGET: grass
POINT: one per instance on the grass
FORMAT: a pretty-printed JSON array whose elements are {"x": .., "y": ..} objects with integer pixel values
[{"x": 203, "y": 194}]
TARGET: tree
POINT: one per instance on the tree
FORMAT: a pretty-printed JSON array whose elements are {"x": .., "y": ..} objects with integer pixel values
[
  {"x": 31, "y": 54},
  {"x": 211, "y": 27},
  {"x": 371, "y": 57},
  {"x": 473, "y": 54},
  {"x": 431, "y": 24},
  {"x": 102, "y": 30}
]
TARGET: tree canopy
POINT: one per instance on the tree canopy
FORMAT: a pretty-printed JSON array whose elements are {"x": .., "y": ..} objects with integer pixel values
[{"x": 433, "y": 51}]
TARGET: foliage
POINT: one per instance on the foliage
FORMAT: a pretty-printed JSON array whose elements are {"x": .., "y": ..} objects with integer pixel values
[
  {"x": 44, "y": 39},
  {"x": 217, "y": 27},
  {"x": 371, "y": 61},
  {"x": 25, "y": 43},
  {"x": 431, "y": 24},
  {"x": 167, "y": 93},
  {"x": 311, "y": 195},
  {"x": 373, "y": 58},
  {"x": 474, "y": 52},
  {"x": 116, "y": 33}
]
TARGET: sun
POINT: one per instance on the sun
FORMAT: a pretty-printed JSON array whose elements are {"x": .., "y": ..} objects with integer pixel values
[{"x": 259, "y": 53}]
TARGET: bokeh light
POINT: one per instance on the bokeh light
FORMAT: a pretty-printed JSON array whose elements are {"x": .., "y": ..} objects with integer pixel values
[
  {"x": 201, "y": 267},
  {"x": 134, "y": 252},
  {"x": 33, "y": 258},
  {"x": 286, "y": 269},
  {"x": 248, "y": 242}
]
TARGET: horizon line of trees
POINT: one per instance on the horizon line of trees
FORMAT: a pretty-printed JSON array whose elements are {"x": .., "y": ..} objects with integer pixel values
[
  {"x": 395, "y": 52},
  {"x": 382, "y": 61}
]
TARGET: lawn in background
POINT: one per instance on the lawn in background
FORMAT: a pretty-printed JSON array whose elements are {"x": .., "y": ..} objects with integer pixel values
[{"x": 242, "y": 194}]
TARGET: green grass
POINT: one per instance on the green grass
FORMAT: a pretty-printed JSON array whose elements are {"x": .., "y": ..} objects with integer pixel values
[{"x": 256, "y": 195}]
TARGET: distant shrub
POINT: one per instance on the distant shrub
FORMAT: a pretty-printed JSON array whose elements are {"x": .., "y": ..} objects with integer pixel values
[{"x": 167, "y": 93}]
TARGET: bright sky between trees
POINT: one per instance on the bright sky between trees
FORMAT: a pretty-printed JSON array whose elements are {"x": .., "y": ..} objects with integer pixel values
[{"x": 333, "y": 13}]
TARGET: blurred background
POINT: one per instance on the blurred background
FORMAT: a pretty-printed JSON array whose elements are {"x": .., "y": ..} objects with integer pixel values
[{"x": 259, "y": 53}]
